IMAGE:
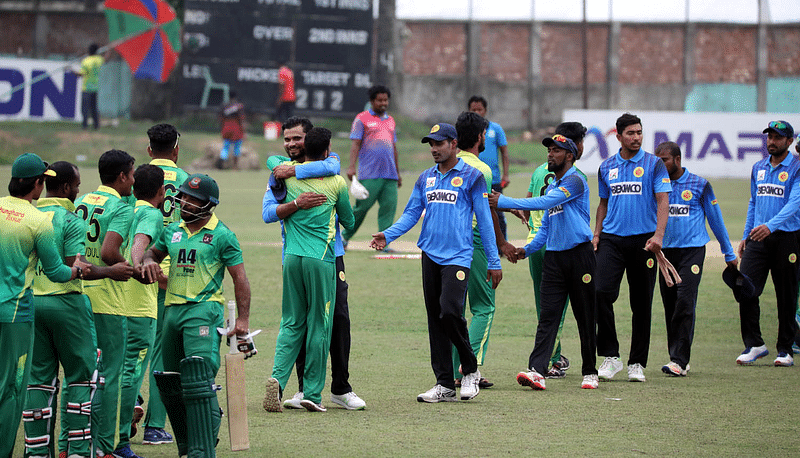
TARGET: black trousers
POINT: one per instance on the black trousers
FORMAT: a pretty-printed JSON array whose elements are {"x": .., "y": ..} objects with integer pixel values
[
  {"x": 340, "y": 339},
  {"x": 778, "y": 255},
  {"x": 617, "y": 255},
  {"x": 89, "y": 108},
  {"x": 445, "y": 290},
  {"x": 567, "y": 273},
  {"x": 680, "y": 301}
]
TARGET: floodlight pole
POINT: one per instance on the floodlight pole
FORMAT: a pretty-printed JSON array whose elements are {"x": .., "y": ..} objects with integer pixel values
[
  {"x": 585, "y": 56},
  {"x": 761, "y": 56}
]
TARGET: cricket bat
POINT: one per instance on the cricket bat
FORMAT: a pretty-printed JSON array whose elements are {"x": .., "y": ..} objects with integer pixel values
[{"x": 235, "y": 387}]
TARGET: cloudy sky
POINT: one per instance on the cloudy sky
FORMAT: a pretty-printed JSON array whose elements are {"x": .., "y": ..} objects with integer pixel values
[{"x": 738, "y": 11}]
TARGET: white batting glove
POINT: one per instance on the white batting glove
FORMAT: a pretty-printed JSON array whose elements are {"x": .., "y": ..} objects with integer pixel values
[{"x": 246, "y": 345}]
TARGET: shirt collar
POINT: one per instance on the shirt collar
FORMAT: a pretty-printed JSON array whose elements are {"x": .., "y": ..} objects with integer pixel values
[
  {"x": 787, "y": 160},
  {"x": 458, "y": 167},
  {"x": 683, "y": 177},
  {"x": 636, "y": 157},
  {"x": 383, "y": 116},
  {"x": 568, "y": 173},
  {"x": 163, "y": 162},
  {"x": 60, "y": 201},
  {"x": 211, "y": 224},
  {"x": 144, "y": 203},
  {"x": 109, "y": 190}
]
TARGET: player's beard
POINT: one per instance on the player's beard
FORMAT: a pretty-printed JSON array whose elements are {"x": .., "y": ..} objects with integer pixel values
[{"x": 555, "y": 168}]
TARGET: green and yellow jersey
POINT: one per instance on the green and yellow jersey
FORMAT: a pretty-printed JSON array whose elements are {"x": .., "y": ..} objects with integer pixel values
[
  {"x": 311, "y": 232},
  {"x": 104, "y": 211},
  {"x": 198, "y": 260},
  {"x": 90, "y": 72},
  {"x": 26, "y": 235},
  {"x": 474, "y": 161},
  {"x": 70, "y": 236},
  {"x": 142, "y": 299},
  {"x": 174, "y": 177}
]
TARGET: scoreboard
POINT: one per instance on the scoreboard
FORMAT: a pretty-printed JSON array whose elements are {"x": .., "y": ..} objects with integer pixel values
[{"x": 243, "y": 43}]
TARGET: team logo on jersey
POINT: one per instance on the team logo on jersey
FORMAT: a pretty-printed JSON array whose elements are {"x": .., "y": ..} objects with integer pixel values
[
  {"x": 783, "y": 176},
  {"x": 626, "y": 188},
  {"x": 686, "y": 195},
  {"x": 613, "y": 174},
  {"x": 194, "y": 183},
  {"x": 176, "y": 237},
  {"x": 491, "y": 133},
  {"x": 435, "y": 129},
  {"x": 770, "y": 190},
  {"x": 460, "y": 275},
  {"x": 678, "y": 210},
  {"x": 443, "y": 196},
  {"x": 485, "y": 195},
  {"x": 695, "y": 269},
  {"x": 650, "y": 263},
  {"x": 565, "y": 191},
  {"x": 638, "y": 172},
  {"x": 555, "y": 210},
  {"x": 341, "y": 275},
  {"x": 457, "y": 181},
  {"x": 761, "y": 175},
  {"x": 203, "y": 331},
  {"x": 207, "y": 238},
  {"x": 430, "y": 182},
  {"x": 792, "y": 258},
  {"x": 587, "y": 278},
  {"x": 665, "y": 180},
  {"x": 714, "y": 202}
]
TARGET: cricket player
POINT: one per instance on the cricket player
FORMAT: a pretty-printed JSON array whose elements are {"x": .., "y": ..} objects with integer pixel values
[
  {"x": 634, "y": 189},
  {"x": 569, "y": 261},
  {"x": 73, "y": 346},
  {"x": 450, "y": 193},
  {"x": 200, "y": 248},
  {"x": 770, "y": 244},
  {"x": 26, "y": 235},
  {"x": 691, "y": 202},
  {"x": 294, "y": 130},
  {"x": 471, "y": 129},
  {"x": 108, "y": 219},
  {"x": 309, "y": 278},
  {"x": 164, "y": 149},
  {"x": 141, "y": 305}
]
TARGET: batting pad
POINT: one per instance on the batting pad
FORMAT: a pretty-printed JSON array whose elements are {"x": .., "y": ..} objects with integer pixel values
[
  {"x": 202, "y": 407},
  {"x": 169, "y": 386}
]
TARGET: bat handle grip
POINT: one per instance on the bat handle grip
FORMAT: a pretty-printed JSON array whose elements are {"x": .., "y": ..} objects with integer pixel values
[{"x": 231, "y": 325}]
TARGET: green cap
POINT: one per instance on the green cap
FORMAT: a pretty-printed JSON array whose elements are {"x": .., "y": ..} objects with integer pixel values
[
  {"x": 201, "y": 186},
  {"x": 29, "y": 165}
]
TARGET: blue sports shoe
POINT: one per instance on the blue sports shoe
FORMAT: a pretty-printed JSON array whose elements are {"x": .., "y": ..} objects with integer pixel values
[
  {"x": 125, "y": 452},
  {"x": 156, "y": 436}
]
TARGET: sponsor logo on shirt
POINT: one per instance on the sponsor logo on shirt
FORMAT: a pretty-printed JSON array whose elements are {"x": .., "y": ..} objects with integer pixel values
[
  {"x": 555, "y": 210},
  {"x": 761, "y": 175},
  {"x": 626, "y": 188},
  {"x": 678, "y": 210},
  {"x": 430, "y": 182},
  {"x": 443, "y": 196},
  {"x": 207, "y": 238},
  {"x": 457, "y": 181},
  {"x": 686, "y": 195},
  {"x": 94, "y": 199},
  {"x": 170, "y": 175},
  {"x": 565, "y": 191},
  {"x": 613, "y": 174},
  {"x": 783, "y": 176},
  {"x": 203, "y": 331},
  {"x": 485, "y": 195},
  {"x": 372, "y": 124},
  {"x": 638, "y": 172},
  {"x": 176, "y": 237},
  {"x": 714, "y": 202},
  {"x": 491, "y": 133},
  {"x": 770, "y": 190},
  {"x": 665, "y": 180}
]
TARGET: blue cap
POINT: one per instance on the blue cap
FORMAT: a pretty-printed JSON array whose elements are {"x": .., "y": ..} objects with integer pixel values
[
  {"x": 278, "y": 187},
  {"x": 561, "y": 142},
  {"x": 441, "y": 131},
  {"x": 782, "y": 128}
]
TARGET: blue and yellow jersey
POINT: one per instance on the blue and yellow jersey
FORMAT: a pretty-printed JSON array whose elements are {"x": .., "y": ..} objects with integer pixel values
[
  {"x": 104, "y": 211},
  {"x": 70, "y": 236},
  {"x": 26, "y": 235},
  {"x": 630, "y": 186}
]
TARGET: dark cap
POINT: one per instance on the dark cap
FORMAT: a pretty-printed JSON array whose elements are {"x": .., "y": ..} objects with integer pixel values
[
  {"x": 782, "y": 128},
  {"x": 278, "y": 187},
  {"x": 29, "y": 165},
  {"x": 742, "y": 286},
  {"x": 441, "y": 131},
  {"x": 201, "y": 187},
  {"x": 561, "y": 142}
]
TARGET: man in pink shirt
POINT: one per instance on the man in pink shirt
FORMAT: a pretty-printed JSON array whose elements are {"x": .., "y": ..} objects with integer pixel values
[{"x": 374, "y": 150}]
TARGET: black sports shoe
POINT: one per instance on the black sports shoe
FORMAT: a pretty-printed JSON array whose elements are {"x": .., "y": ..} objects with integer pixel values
[
  {"x": 555, "y": 372},
  {"x": 483, "y": 383},
  {"x": 562, "y": 363}
]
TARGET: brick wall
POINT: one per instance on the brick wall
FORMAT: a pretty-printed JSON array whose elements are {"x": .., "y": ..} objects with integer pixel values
[
  {"x": 68, "y": 33},
  {"x": 725, "y": 54},
  {"x": 651, "y": 54},
  {"x": 17, "y": 33},
  {"x": 504, "y": 51},
  {"x": 435, "y": 49},
  {"x": 562, "y": 54},
  {"x": 784, "y": 56}
]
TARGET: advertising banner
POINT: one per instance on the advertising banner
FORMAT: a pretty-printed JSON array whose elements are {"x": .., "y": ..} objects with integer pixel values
[
  {"x": 712, "y": 144},
  {"x": 56, "y": 97}
]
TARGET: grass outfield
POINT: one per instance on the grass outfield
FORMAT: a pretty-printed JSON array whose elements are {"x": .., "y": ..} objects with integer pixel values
[{"x": 720, "y": 409}]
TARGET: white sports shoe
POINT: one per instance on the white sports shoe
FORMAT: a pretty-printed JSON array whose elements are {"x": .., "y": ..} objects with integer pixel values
[
  {"x": 438, "y": 393},
  {"x": 751, "y": 354},
  {"x": 294, "y": 402},
  {"x": 349, "y": 401},
  {"x": 532, "y": 379},
  {"x": 312, "y": 406},
  {"x": 674, "y": 369},
  {"x": 611, "y": 365},
  {"x": 469, "y": 385},
  {"x": 635, "y": 372},
  {"x": 590, "y": 382},
  {"x": 784, "y": 359}
]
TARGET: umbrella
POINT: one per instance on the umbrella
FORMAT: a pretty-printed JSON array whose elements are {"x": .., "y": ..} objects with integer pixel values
[{"x": 148, "y": 33}]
